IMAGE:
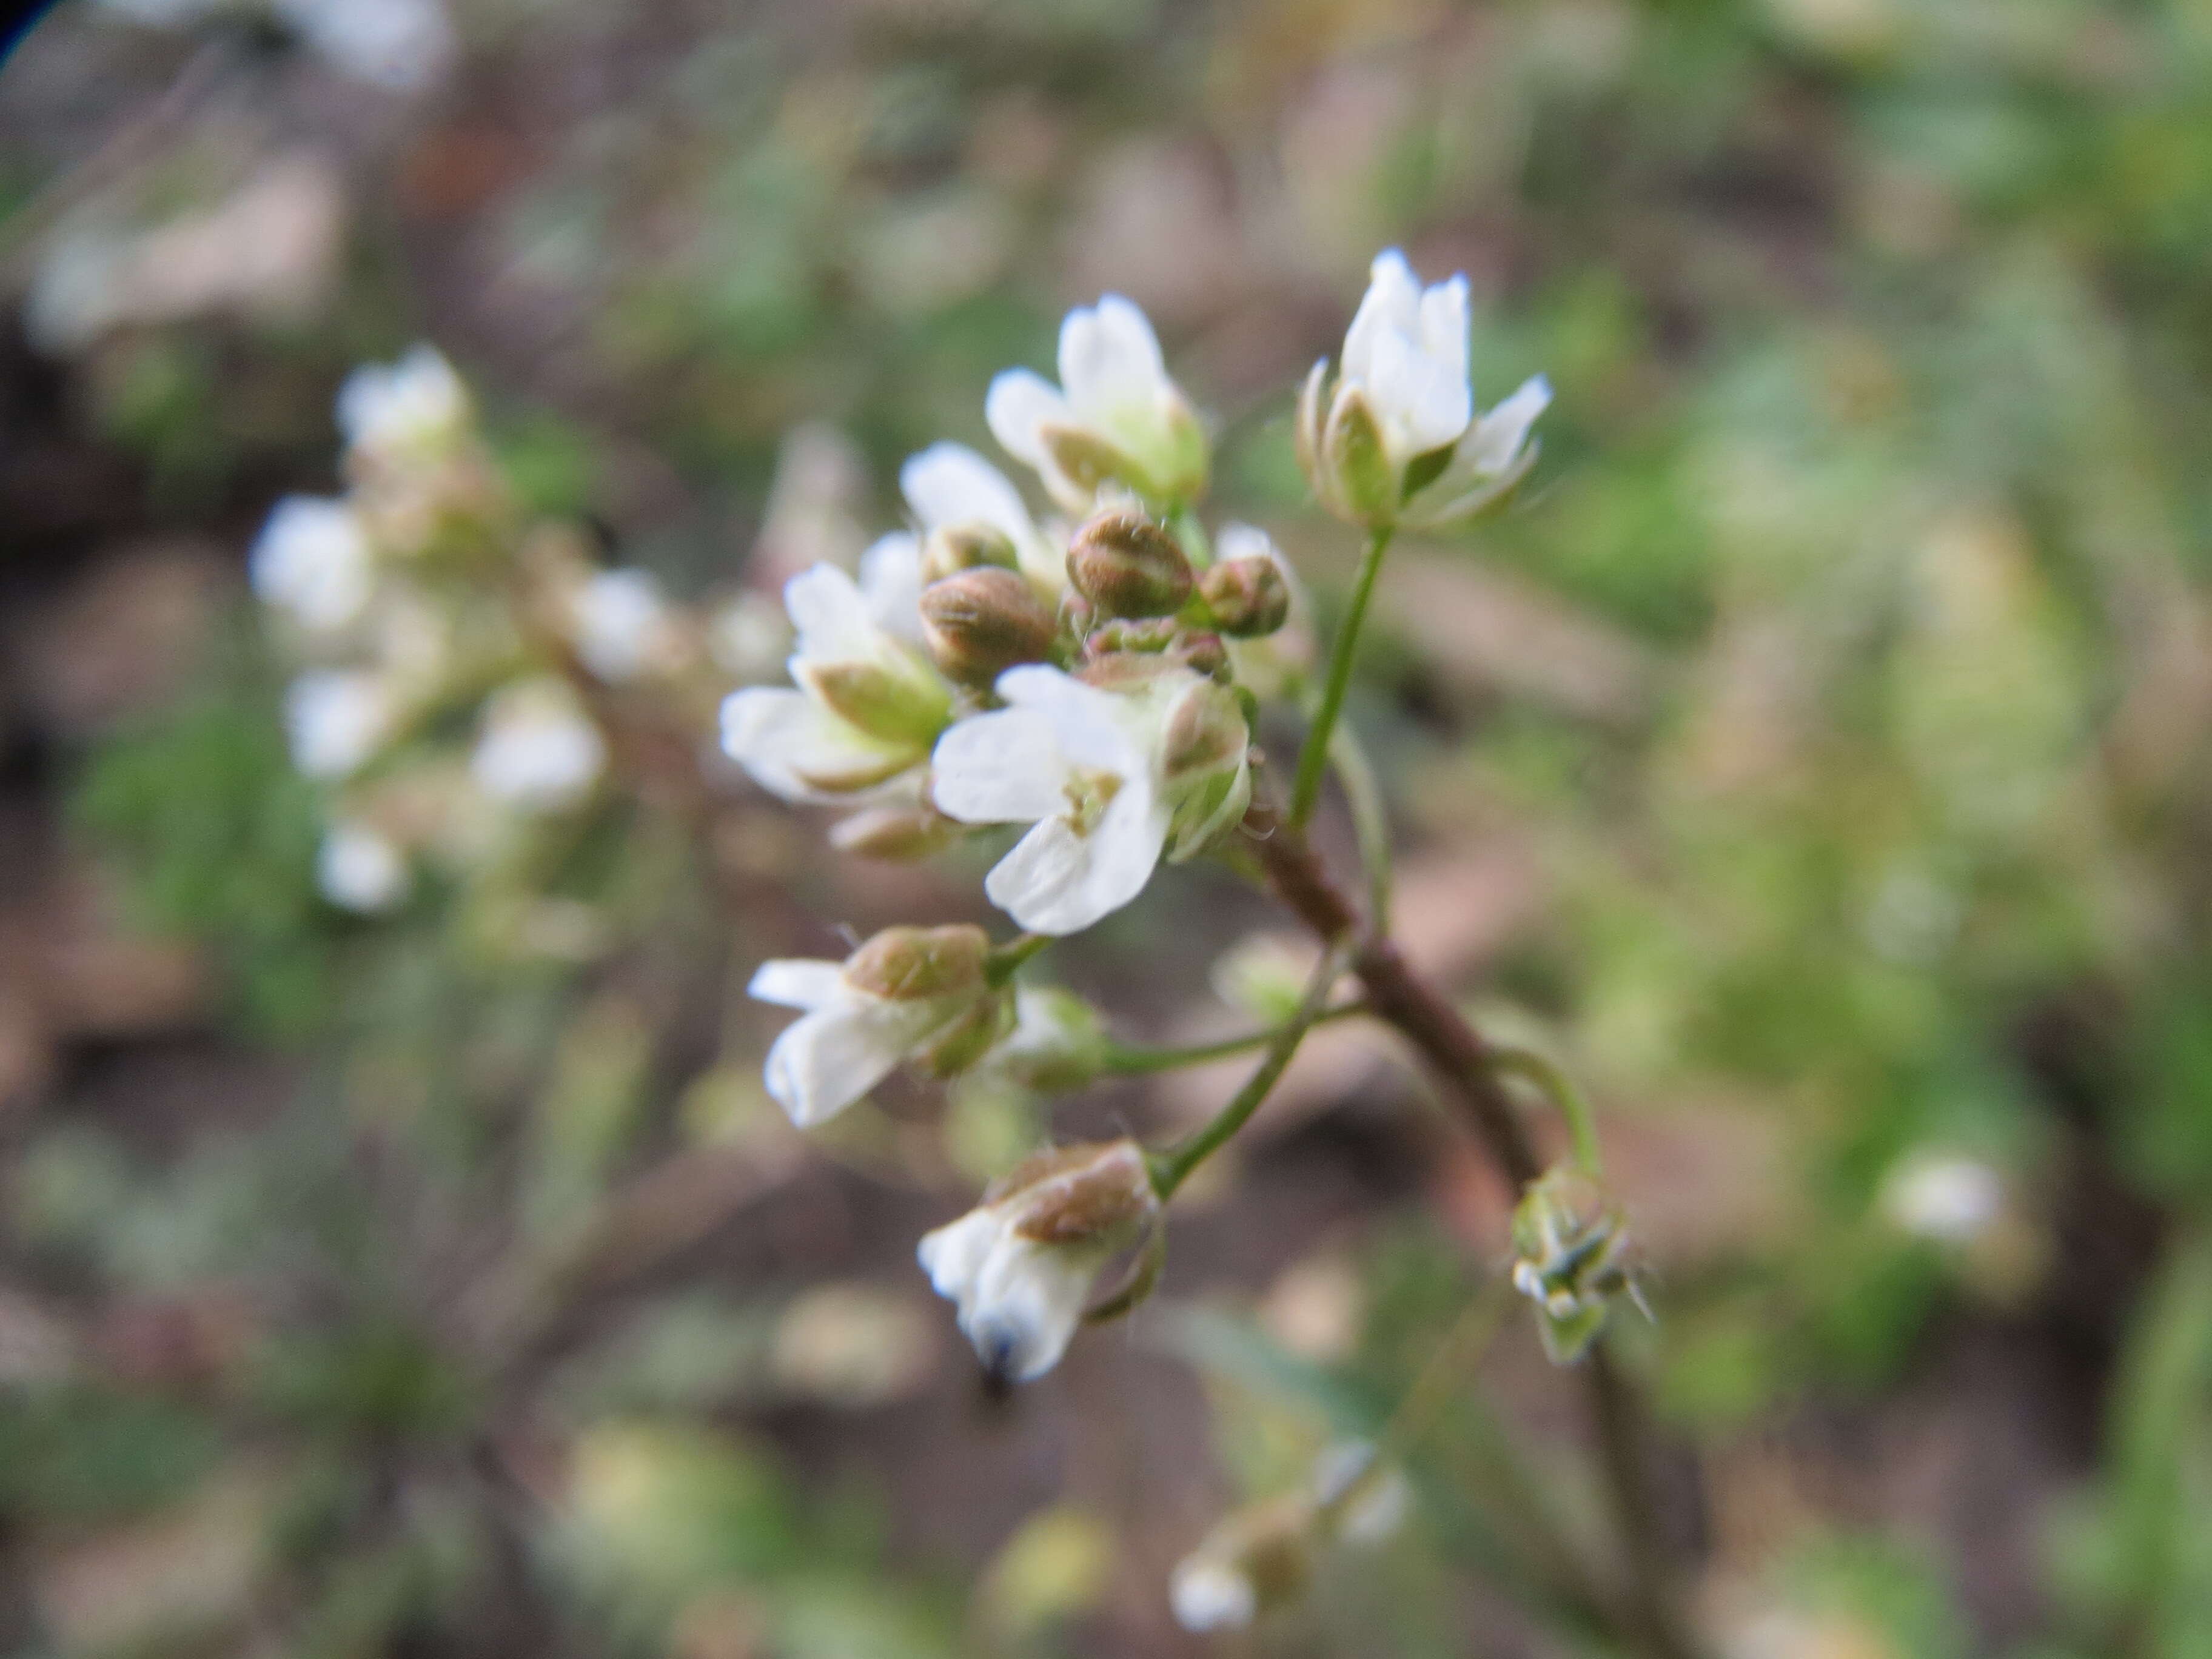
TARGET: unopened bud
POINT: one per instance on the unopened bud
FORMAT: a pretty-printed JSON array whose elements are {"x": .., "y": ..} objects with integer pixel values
[
  {"x": 1127, "y": 565},
  {"x": 1206, "y": 732},
  {"x": 1084, "y": 1194},
  {"x": 897, "y": 701},
  {"x": 896, "y": 835},
  {"x": 952, "y": 549},
  {"x": 1203, "y": 653},
  {"x": 907, "y": 963},
  {"x": 1248, "y": 597},
  {"x": 982, "y": 622}
]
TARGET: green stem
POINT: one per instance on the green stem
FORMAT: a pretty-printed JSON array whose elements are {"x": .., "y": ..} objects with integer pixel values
[
  {"x": 1136, "y": 1060},
  {"x": 1172, "y": 1167},
  {"x": 1370, "y": 823},
  {"x": 1313, "y": 759},
  {"x": 1551, "y": 1080},
  {"x": 1006, "y": 959}
]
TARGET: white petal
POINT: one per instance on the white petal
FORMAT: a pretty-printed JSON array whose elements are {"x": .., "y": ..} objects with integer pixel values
[
  {"x": 336, "y": 720},
  {"x": 1392, "y": 305},
  {"x": 1093, "y": 728},
  {"x": 1024, "y": 1306},
  {"x": 953, "y": 1255},
  {"x": 1056, "y": 881},
  {"x": 1422, "y": 402},
  {"x": 1005, "y": 767},
  {"x": 797, "y": 982},
  {"x": 1021, "y": 402},
  {"x": 1497, "y": 438},
  {"x": 1210, "y": 1595},
  {"x": 1443, "y": 326},
  {"x": 1244, "y": 541},
  {"x": 827, "y": 1060},
  {"x": 313, "y": 561},
  {"x": 835, "y": 622},
  {"x": 890, "y": 582},
  {"x": 621, "y": 624},
  {"x": 358, "y": 868},
  {"x": 951, "y": 484},
  {"x": 798, "y": 749},
  {"x": 1110, "y": 362}
]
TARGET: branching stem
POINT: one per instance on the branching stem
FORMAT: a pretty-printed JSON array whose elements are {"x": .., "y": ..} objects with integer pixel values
[{"x": 1135, "y": 1059}]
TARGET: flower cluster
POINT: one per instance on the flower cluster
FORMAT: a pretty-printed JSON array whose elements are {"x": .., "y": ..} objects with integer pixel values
[
  {"x": 444, "y": 651},
  {"x": 1087, "y": 678}
]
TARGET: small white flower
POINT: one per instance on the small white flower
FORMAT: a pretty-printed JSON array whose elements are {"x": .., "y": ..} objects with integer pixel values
[
  {"x": 749, "y": 637},
  {"x": 1210, "y": 1595},
  {"x": 358, "y": 868},
  {"x": 538, "y": 749},
  {"x": 311, "y": 561},
  {"x": 622, "y": 627},
  {"x": 949, "y": 485},
  {"x": 414, "y": 407},
  {"x": 1402, "y": 394},
  {"x": 868, "y": 704},
  {"x": 1021, "y": 1265},
  {"x": 336, "y": 720},
  {"x": 1944, "y": 1196},
  {"x": 1115, "y": 415},
  {"x": 1110, "y": 781},
  {"x": 906, "y": 991}
]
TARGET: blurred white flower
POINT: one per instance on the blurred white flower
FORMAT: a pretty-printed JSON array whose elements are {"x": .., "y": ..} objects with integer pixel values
[
  {"x": 1943, "y": 1196},
  {"x": 1402, "y": 395},
  {"x": 1207, "y": 1595},
  {"x": 906, "y": 991},
  {"x": 401, "y": 45},
  {"x": 337, "y": 719},
  {"x": 622, "y": 625},
  {"x": 1115, "y": 415},
  {"x": 414, "y": 408},
  {"x": 868, "y": 704},
  {"x": 1021, "y": 1265},
  {"x": 359, "y": 868},
  {"x": 537, "y": 749},
  {"x": 950, "y": 486},
  {"x": 749, "y": 637},
  {"x": 312, "y": 562}
]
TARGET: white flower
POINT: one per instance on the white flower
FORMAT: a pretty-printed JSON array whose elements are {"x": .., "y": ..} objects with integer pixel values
[
  {"x": 750, "y": 636},
  {"x": 1944, "y": 1196},
  {"x": 358, "y": 868},
  {"x": 1209, "y": 1596},
  {"x": 1402, "y": 395},
  {"x": 868, "y": 704},
  {"x": 336, "y": 720},
  {"x": 414, "y": 407},
  {"x": 311, "y": 561},
  {"x": 537, "y": 749},
  {"x": 1106, "y": 778},
  {"x": 1115, "y": 415},
  {"x": 906, "y": 992},
  {"x": 622, "y": 627},
  {"x": 949, "y": 485},
  {"x": 1020, "y": 1266}
]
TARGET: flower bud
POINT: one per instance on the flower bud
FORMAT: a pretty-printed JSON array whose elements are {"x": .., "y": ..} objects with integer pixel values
[
  {"x": 1355, "y": 461},
  {"x": 906, "y": 965},
  {"x": 970, "y": 1037},
  {"x": 1572, "y": 1255},
  {"x": 1248, "y": 597},
  {"x": 1205, "y": 733},
  {"x": 1057, "y": 1044},
  {"x": 1205, "y": 751},
  {"x": 982, "y": 622},
  {"x": 897, "y": 702},
  {"x": 1127, "y": 565},
  {"x": 1146, "y": 634},
  {"x": 951, "y": 549},
  {"x": 896, "y": 835},
  {"x": 1204, "y": 653}
]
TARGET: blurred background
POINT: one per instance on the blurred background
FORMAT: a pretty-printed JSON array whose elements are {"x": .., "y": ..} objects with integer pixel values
[{"x": 1814, "y": 757}]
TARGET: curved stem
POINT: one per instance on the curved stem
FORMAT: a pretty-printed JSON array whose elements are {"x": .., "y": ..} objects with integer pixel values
[
  {"x": 1551, "y": 1080},
  {"x": 1313, "y": 759},
  {"x": 1135, "y": 1059},
  {"x": 1005, "y": 959},
  {"x": 1172, "y": 1167}
]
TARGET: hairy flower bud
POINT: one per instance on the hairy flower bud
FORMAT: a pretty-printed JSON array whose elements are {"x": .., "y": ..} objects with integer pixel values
[
  {"x": 982, "y": 622},
  {"x": 1572, "y": 1255},
  {"x": 904, "y": 964},
  {"x": 1021, "y": 1265},
  {"x": 950, "y": 549},
  {"x": 1248, "y": 597},
  {"x": 1127, "y": 565}
]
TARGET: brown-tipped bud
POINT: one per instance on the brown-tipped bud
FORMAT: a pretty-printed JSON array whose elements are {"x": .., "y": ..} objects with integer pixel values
[
  {"x": 981, "y": 623},
  {"x": 1093, "y": 1192},
  {"x": 896, "y": 835},
  {"x": 1204, "y": 652},
  {"x": 951, "y": 549},
  {"x": 1205, "y": 733},
  {"x": 1248, "y": 597},
  {"x": 905, "y": 964},
  {"x": 969, "y": 1037},
  {"x": 1127, "y": 565}
]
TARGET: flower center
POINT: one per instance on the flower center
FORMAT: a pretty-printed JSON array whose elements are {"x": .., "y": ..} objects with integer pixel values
[{"x": 1088, "y": 794}]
